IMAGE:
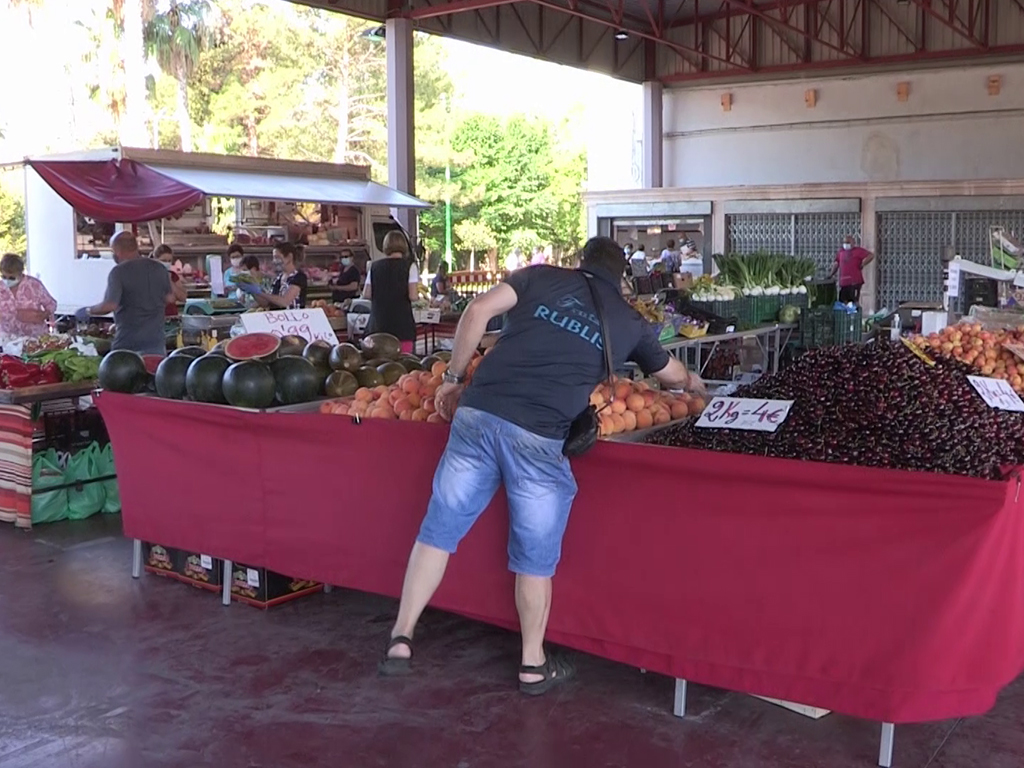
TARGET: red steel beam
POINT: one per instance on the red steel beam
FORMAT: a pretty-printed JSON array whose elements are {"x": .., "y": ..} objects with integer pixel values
[
  {"x": 951, "y": 21},
  {"x": 453, "y": 6},
  {"x": 905, "y": 58},
  {"x": 683, "y": 51}
]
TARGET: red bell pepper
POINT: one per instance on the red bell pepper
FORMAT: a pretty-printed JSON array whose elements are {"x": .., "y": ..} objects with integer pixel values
[{"x": 50, "y": 373}]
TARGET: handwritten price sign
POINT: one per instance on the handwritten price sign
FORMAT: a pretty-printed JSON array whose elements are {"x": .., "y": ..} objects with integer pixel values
[
  {"x": 310, "y": 324},
  {"x": 997, "y": 393},
  {"x": 744, "y": 413}
]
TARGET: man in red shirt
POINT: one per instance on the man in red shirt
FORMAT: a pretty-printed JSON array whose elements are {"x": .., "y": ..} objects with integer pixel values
[{"x": 850, "y": 262}]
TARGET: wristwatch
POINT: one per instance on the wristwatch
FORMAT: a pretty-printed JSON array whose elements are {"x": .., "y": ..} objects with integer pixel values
[{"x": 450, "y": 378}]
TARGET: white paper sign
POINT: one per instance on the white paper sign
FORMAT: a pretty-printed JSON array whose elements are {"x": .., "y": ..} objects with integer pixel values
[
  {"x": 216, "y": 276},
  {"x": 997, "y": 393},
  {"x": 252, "y": 578},
  {"x": 206, "y": 561},
  {"x": 953, "y": 280},
  {"x": 744, "y": 413},
  {"x": 310, "y": 324}
]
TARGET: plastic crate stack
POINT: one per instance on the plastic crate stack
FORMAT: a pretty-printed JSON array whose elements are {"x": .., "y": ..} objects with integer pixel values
[
  {"x": 826, "y": 327},
  {"x": 752, "y": 311}
]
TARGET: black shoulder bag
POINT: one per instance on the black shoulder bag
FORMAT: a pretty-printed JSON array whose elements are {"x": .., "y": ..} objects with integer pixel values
[{"x": 584, "y": 429}]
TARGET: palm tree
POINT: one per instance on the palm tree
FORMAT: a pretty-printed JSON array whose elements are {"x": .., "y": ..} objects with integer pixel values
[{"x": 175, "y": 37}]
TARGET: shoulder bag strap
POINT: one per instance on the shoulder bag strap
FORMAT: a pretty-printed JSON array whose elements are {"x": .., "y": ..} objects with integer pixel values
[{"x": 606, "y": 339}]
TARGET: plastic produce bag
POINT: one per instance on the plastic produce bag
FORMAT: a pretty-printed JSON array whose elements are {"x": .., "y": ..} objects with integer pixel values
[
  {"x": 87, "y": 499},
  {"x": 48, "y": 506},
  {"x": 105, "y": 466}
]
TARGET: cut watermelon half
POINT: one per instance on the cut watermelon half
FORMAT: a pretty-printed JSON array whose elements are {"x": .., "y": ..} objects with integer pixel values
[
  {"x": 252, "y": 346},
  {"x": 152, "y": 362}
]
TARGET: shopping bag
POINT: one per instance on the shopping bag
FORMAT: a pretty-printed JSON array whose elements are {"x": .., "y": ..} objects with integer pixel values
[
  {"x": 105, "y": 467},
  {"x": 84, "y": 499},
  {"x": 48, "y": 506}
]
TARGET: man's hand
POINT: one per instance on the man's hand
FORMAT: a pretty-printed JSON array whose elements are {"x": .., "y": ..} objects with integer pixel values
[
  {"x": 83, "y": 314},
  {"x": 446, "y": 398},
  {"x": 696, "y": 385},
  {"x": 33, "y": 316}
]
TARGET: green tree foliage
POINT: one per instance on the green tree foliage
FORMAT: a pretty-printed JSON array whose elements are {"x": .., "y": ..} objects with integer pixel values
[{"x": 12, "y": 221}]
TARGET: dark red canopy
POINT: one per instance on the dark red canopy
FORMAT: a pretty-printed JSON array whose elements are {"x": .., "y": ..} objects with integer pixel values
[{"x": 117, "y": 191}]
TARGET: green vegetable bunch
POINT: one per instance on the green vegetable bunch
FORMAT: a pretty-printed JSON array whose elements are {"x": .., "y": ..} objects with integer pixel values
[{"x": 73, "y": 366}]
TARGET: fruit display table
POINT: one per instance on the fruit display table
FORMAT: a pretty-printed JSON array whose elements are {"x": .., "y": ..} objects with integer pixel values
[
  {"x": 19, "y": 415},
  {"x": 884, "y": 594}
]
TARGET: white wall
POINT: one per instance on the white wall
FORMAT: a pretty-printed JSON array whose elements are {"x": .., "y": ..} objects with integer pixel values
[
  {"x": 614, "y": 135},
  {"x": 50, "y": 226},
  {"x": 950, "y": 128}
]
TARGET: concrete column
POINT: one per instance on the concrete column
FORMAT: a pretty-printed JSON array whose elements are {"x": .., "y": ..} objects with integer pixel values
[
  {"x": 869, "y": 240},
  {"x": 653, "y": 136},
  {"x": 401, "y": 110}
]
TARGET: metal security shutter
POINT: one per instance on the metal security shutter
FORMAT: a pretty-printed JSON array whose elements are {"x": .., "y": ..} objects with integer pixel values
[
  {"x": 818, "y": 236},
  {"x": 752, "y": 232},
  {"x": 971, "y": 231},
  {"x": 910, "y": 248}
]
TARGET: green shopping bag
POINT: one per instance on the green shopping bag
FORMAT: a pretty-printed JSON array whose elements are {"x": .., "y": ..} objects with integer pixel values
[
  {"x": 86, "y": 499},
  {"x": 48, "y": 506},
  {"x": 105, "y": 466}
]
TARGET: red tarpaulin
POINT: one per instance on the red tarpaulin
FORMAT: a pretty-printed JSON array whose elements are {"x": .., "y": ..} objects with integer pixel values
[
  {"x": 890, "y": 595},
  {"x": 117, "y": 191}
]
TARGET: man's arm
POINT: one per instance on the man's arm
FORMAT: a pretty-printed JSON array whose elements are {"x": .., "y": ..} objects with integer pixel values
[
  {"x": 666, "y": 370},
  {"x": 867, "y": 259},
  {"x": 472, "y": 326},
  {"x": 112, "y": 298},
  {"x": 675, "y": 375}
]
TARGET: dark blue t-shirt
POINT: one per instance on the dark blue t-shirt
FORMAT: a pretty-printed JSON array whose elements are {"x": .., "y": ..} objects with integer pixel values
[{"x": 550, "y": 355}]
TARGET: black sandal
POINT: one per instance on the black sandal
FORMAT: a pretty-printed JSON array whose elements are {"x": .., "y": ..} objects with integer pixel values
[
  {"x": 557, "y": 669},
  {"x": 390, "y": 666}
]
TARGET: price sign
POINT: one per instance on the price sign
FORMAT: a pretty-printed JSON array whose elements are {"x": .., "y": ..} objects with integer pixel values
[
  {"x": 310, "y": 324},
  {"x": 744, "y": 413},
  {"x": 953, "y": 280},
  {"x": 252, "y": 578},
  {"x": 997, "y": 393},
  {"x": 1016, "y": 349},
  {"x": 206, "y": 561}
]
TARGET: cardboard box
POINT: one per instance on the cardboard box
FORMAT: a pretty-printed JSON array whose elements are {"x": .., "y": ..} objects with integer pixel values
[
  {"x": 201, "y": 570},
  {"x": 163, "y": 561},
  {"x": 427, "y": 315},
  {"x": 262, "y": 588}
]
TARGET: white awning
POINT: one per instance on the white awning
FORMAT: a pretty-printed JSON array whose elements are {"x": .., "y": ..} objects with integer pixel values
[{"x": 300, "y": 189}]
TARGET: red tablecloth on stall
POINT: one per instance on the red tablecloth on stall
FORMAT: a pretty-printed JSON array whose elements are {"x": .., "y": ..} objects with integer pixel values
[{"x": 889, "y": 595}]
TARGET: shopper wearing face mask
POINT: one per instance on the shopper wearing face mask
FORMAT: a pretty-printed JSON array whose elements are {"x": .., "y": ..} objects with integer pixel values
[
  {"x": 346, "y": 284},
  {"x": 850, "y": 262},
  {"x": 288, "y": 290},
  {"x": 25, "y": 304},
  {"x": 165, "y": 255},
  {"x": 235, "y": 255}
]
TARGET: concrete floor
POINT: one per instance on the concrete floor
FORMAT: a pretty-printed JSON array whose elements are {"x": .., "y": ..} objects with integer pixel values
[{"x": 100, "y": 671}]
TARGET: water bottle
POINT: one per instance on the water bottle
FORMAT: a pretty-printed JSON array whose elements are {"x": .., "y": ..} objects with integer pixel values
[{"x": 894, "y": 331}]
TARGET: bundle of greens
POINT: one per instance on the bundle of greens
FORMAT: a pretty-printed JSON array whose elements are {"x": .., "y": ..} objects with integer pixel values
[{"x": 765, "y": 274}]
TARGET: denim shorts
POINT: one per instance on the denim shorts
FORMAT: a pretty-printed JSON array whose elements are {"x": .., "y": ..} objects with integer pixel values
[{"x": 483, "y": 452}]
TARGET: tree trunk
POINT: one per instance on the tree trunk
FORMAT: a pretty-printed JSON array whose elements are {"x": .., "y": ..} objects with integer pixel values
[
  {"x": 341, "y": 114},
  {"x": 252, "y": 136},
  {"x": 181, "y": 109},
  {"x": 133, "y": 131}
]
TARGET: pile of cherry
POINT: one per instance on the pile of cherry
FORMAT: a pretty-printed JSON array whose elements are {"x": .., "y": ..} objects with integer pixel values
[{"x": 873, "y": 405}]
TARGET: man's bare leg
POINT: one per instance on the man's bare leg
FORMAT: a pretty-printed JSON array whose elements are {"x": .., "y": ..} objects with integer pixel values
[
  {"x": 422, "y": 578},
  {"x": 533, "y": 602}
]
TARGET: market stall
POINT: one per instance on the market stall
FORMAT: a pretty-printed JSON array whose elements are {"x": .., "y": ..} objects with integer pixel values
[
  {"x": 872, "y": 592},
  {"x": 865, "y": 556}
]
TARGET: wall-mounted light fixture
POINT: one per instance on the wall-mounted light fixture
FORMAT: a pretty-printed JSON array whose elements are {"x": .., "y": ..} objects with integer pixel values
[
  {"x": 726, "y": 102},
  {"x": 995, "y": 84},
  {"x": 902, "y": 91},
  {"x": 375, "y": 33},
  {"x": 810, "y": 98}
]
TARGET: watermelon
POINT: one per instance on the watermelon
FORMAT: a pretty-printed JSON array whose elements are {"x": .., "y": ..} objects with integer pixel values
[
  {"x": 249, "y": 384},
  {"x": 291, "y": 345},
  {"x": 296, "y": 380},
  {"x": 318, "y": 353},
  {"x": 203, "y": 379},
  {"x": 382, "y": 345},
  {"x": 345, "y": 357},
  {"x": 170, "y": 377},
  {"x": 122, "y": 371},
  {"x": 341, "y": 384},
  {"x": 252, "y": 346},
  {"x": 368, "y": 377},
  {"x": 391, "y": 372},
  {"x": 152, "y": 362},
  {"x": 192, "y": 352}
]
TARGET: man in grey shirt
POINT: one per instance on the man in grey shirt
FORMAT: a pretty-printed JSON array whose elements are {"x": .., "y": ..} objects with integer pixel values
[{"x": 138, "y": 292}]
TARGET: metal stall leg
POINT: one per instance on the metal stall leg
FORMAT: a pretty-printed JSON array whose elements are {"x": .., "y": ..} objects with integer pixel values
[
  {"x": 136, "y": 558},
  {"x": 777, "y": 351},
  {"x": 886, "y": 744},
  {"x": 328, "y": 587},
  {"x": 225, "y": 590},
  {"x": 679, "y": 707}
]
